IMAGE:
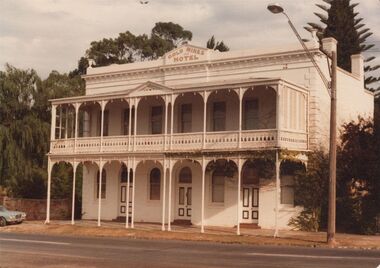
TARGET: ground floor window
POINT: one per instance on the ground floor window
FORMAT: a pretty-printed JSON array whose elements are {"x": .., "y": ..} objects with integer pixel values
[
  {"x": 104, "y": 184},
  {"x": 287, "y": 190},
  {"x": 217, "y": 187},
  {"x": 155, "y": 184}
]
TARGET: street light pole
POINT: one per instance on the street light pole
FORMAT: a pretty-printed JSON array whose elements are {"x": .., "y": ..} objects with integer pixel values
[{"x": 332, "y": 88}]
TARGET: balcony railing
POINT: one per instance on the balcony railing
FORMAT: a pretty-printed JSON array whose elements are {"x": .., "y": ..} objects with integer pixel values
[{"x": 182, "y": 142}]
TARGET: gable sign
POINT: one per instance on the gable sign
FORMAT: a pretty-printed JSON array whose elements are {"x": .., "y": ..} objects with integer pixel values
[{"x": 186, "y": 53}]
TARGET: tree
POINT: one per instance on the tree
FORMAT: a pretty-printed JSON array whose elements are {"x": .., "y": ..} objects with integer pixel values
[
  {"x": 25, "y": 127},
  {"x": 311, "y": 192},
  {"x": 128, "y": 47},
  {"x": 358, "y": 173},
  {"x": 341, "y": 22},
  {"x": 211, "y": 44}
]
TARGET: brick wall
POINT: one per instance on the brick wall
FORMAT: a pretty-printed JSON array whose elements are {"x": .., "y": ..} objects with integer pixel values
[{"x": 60, "y": 209}]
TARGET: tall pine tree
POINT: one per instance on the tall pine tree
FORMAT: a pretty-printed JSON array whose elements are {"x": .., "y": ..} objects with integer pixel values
[{"x": 341, "y": 22}]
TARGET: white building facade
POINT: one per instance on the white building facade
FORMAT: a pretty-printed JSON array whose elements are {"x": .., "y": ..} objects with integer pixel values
[{"x": 200, "y": 136}]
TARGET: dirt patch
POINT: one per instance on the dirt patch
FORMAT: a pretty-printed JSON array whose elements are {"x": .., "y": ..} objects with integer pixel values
[{"x": 256, "y": 237}]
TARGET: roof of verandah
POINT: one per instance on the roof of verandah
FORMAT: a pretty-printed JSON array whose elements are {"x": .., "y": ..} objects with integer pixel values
[{"x": 150, "y": 88}]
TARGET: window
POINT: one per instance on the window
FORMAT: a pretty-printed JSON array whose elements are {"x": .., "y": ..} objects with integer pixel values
[
  {"x": 219, "y": 116},
  {"x": 104, "y": 184},
  {"x": 156, "y": 118},
  {"x": 251, "y": 112},
  {"x": 287, "y": 189},
  {"x": 155, "y": 184},
  {"x": 125, "y": 123},
  {"x": 185, "y": 175},
  {"x": 105, "y": 125},
  {"x": 84, "y": 123},
  {"x": 123, "y": 175},
  {"x": 250, "y": 175},
  {"x": 186, "y": 113},
  {"x": 217, "y": 189}
]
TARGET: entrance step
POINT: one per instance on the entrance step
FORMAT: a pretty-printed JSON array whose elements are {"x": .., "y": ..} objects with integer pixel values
[
  {"x": 121, "y": 219},
  {"x": 250, "y": 226},
  {"x": 182, "y": 222}
]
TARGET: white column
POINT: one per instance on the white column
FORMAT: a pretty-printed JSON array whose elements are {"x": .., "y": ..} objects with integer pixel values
[
  {"x": 102, "y": 124},
  {"x": 277, "y": 194},
  {"x": 50, "y": 166},
  {"x": 100, "y": 190},
  {"x": 77, "y": 105},
  {"x": 66, "y": 120},
  {"x": 135, "y": 126},
  {"x": 163, "y": 196},
  {"x": 170, "y": 195},
  {"x": 133, "y": 192},
  {"x": 53, "y": 121},
  {"x": 75, "y": 165},
  {"x": 278, "y": 114},
  {"x": 171, "y": 121},
  {"x": 203, "y": 195},
  {"x": 129, "y": 127},
  {"x": 166, "y": 122},
  {"x": 238, "y": 197},
  {"x": 127, "y": 207},
  {"x": 60, "y": 122},
  {"x": 240, "y": 116},
  {"x": 204, "y": 118}
]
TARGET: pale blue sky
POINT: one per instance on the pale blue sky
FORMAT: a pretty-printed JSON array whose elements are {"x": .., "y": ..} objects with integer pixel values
[{"x": 53, "y": 34}]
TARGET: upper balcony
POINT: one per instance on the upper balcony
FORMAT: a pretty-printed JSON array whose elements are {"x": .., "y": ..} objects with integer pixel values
[{"x": 238, "y": 115}]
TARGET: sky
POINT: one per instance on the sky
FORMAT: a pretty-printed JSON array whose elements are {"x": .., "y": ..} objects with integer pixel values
[{"x": 51, "y": 35}]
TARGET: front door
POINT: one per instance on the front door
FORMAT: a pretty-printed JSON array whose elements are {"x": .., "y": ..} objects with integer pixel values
[
  {"x": 250, "y": 204},
  {"x": 123, "y": 199},
  {"x": 184, "y": 201},
  {"x": 123, "y": 202}
]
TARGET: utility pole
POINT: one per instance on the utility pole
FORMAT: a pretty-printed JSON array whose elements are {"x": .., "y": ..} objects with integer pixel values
[
  {"x": 332, "y": 88},
  {"x": 332, "y": 156}
]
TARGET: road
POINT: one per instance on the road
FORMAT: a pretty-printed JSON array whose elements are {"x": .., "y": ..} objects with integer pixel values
[{"x": 26, "y": 250}]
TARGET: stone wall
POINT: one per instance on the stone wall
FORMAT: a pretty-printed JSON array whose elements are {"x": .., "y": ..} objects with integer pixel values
[{"x": 60, "y": 209}]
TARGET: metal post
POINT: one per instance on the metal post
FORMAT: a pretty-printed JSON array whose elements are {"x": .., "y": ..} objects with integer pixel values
[
  {"x": 277, "y": 196},
  {"x": 238, "y": 197},
  {"x": 163, "y": 196},
  {"x": 100, "y": 191},
  {"x": 75, "y": 165},
  {"x": 48, "y": 191},
  {"x": 127, "y": 193},
  {"x": 170, "y": 195},
  {"x": 332, "y": 170},
  {"x": 133, "y": 192},
  {"x": 203, "y": 195}
]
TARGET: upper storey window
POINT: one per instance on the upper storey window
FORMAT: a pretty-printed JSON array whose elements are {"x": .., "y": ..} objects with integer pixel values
[
  {"x": 186, "y": 120},
  {"x": 156, "y": 120},
  {"x": 251, "y": 112},
  {"x": 219, "y": 116}
]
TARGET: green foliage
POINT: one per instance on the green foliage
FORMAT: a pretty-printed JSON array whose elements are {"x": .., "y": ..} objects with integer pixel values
[
  {"x": 310, "y": 192},
  {"x": 211, "y": 44},
  {"x": 25, "y": 127},
  {"x": 358, "y": 184},
  {"x": 343, "y": 24},
  {"x": 128, "y": 47}
]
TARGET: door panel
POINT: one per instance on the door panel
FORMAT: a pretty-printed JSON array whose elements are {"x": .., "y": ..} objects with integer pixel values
[
  {"x": 250, "y": 204},
  {"x": 184, "y": 200}
]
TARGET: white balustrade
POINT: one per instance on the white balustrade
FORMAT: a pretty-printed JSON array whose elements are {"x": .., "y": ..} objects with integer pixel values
[
  {"x": 115, "y": 144},
  {"x": 187, "y": 141},
  {"x": 88, "y": 145},
  {"x": 293, "y": 140},
  {"x": 258, "y": 138},
  {"x": 63, "y": 146},
  {"x": 149, "y": 143},
  {"x": 184, "y": 142},
  {"x": 222, "y": 140}
]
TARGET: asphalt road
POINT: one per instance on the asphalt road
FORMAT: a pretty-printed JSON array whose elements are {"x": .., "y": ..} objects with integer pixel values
[{"x": 25, "y": 250}]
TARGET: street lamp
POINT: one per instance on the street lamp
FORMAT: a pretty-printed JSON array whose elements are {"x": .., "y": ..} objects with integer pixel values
[{"x": 331, "y": 87}]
